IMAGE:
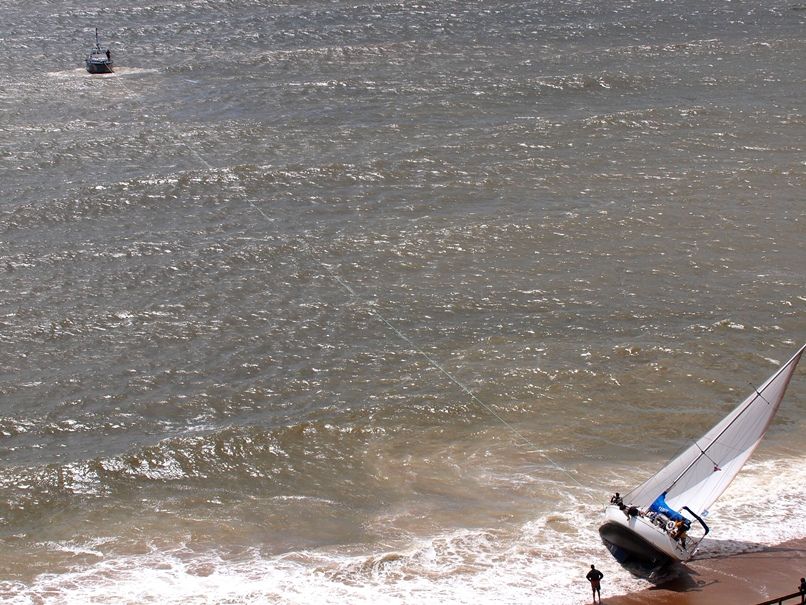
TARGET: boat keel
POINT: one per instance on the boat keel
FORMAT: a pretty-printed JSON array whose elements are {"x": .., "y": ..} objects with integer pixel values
[{"x": 632, "y": 551}]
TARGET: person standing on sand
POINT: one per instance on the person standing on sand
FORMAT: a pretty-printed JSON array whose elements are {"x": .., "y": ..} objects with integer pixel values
[
  {"x": 595, "y": 578},
  {"x": 802, "y": 588}
]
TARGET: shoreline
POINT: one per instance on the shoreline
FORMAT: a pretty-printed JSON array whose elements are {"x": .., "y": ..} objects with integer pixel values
[{"x": 744, "y": 579}]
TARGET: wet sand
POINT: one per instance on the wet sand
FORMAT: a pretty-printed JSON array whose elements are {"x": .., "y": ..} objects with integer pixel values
[{"x": 744, "y": 579}]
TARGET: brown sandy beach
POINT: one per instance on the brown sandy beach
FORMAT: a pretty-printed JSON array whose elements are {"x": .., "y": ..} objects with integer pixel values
[{"x": 743, "y": 579}]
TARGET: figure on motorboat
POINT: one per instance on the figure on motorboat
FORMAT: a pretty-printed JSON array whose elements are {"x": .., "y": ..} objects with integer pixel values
[{"x": 99, "y": 61}]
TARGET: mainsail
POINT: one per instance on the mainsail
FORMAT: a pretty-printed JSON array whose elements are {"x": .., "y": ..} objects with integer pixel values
[{"x": 698, "y": 476}]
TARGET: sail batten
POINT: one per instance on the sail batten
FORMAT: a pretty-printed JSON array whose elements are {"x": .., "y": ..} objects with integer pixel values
[{"x": 698, "y": 476}]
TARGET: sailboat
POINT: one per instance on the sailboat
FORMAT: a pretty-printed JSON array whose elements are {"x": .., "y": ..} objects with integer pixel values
[{"x": 649, "y": 526}]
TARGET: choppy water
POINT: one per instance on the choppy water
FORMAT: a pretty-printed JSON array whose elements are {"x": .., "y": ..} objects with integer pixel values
[{"x": 230, "y": 272}]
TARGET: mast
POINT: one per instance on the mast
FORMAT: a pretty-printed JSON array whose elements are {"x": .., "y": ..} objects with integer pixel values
[
  {"x": 715, "y": 439},
  {"x": 758, "y": 396},
  {"x": 727, "y": 445}
]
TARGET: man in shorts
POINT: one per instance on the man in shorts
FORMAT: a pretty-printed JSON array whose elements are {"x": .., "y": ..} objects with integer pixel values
[{"x": 595, "y": 578}]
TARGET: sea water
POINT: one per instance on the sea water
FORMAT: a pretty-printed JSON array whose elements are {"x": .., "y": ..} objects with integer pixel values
[{"x": 378, "y": 302}]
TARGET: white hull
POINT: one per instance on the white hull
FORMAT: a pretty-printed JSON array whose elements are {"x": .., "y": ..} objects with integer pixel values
[{"x": 639, "y": 539}]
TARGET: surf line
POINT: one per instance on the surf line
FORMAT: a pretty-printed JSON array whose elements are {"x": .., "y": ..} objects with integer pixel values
[{"x": 306, "y": 245}]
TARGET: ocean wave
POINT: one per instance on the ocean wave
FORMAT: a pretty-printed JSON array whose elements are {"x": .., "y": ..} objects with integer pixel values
[
  {"x": 198, "y": 191},
  {"x": 542, "y": 560},
  {"x": 707, "y": 47},
  {"x": 10, "y": 427},
  {"x": 620, "y": 81}
]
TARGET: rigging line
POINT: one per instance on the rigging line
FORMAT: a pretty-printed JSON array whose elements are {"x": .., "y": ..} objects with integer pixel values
[
  {"x": 380, "y": 317},
  {"x": 702, "y": 452},
  {"x": 730, "y": 424},
  {"x": 119, "y": 79},
  {"x": 758, "y": 393},
  {"x": 333, "y": 275}
]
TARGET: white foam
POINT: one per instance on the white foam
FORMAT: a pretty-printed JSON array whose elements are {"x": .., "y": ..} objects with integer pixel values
[
  {"x": 763, "y": 506},
  {"x": 466, "y": 566},
  {"x": 540, "y": 563},
  {"x": 544, "y": 561}
]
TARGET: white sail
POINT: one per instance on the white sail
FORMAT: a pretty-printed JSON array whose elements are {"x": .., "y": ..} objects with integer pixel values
[{"x": 698, "y": 476}]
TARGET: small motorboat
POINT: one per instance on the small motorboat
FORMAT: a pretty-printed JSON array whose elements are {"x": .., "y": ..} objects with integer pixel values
[{"x": 99, "y": 61}]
